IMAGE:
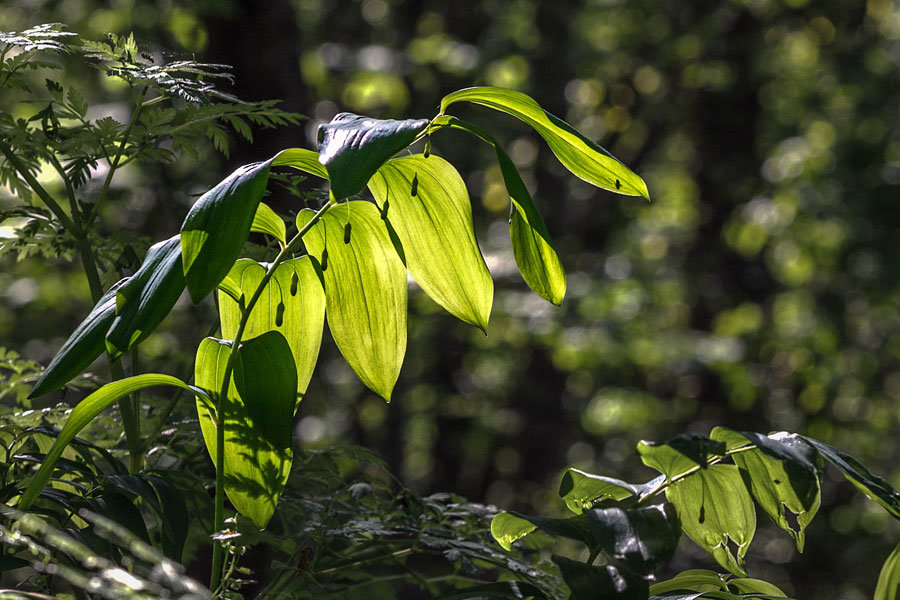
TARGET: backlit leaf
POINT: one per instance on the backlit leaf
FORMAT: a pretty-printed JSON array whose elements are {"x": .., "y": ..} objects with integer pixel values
[
  {"x": 293, "y": 303},
  {"x": 580, "y": 155},
  {"x": 781, "y": 474},
  {"x": 267, "y": 221},
  {"x": 85, "y": 344},
  {"x": 301, "y": 159},
  {"x": 435, "y": 227},
  {"x": 352, "y": 147},
  {"x": 580, "y": 489},
  {"x": 888, "y": 587},
  {"x": 145, "y": 299},
  {"x": 216, "y": 227},
  {"x": 365, "y": 291},
  {"x": 255, "y": 470}
]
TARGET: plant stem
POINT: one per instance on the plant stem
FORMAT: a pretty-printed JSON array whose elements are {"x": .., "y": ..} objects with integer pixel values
[
  {"x": 219, "y": 515},
  {"x": 36, "y": 187}
]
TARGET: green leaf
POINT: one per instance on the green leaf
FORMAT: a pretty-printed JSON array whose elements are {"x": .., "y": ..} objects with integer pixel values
[
  {"x": 888, "y": 587},
  {"x": 871, "y": 485},
  {"x": 352, "y": 147},
  {"x": 534, "y": 252},
  {"x": 85, "y": 412},
  {"x": 589, "y": 582},
  {"x": 293, "y": 303},
  {"x": 435, "y": 226},
  {"x": 145, "y": 299},
  {"x": 577, "y": 153},
  {"x": 266, "y": 380},
  {"x": 780, "y": 473},
  {"x": 501, "y": 589},
  {"x": 510, "y": 527},
  {"x": 693, "y": 580},
  {"x": 755, "y": 587},
  {"x": 715, "y": 508},
  {"x": 643, "y": 539},
  {"x": 85, "y": 344},
  {"x": 301, "y": 159},
  {"x": 216, "y": 227},
  {"x": 267, "y": 221},
  {"x": 256, "y": 469},
  {"x": 365, "y": 290},
  {"x": 580, "y": 490}
]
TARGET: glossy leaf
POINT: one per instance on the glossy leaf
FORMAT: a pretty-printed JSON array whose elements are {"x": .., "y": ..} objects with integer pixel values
[
  {"x": 216, "y": 227},
  {"x": 693, "y": 580},
  {"x": 266, "y": 381},
  {"x": 534, "y": 252},
  {"x": 435, "y": 227},
  {"x": 147, "y": 297},
  {"x": 642, "y": 539},
  {"x": 580, "y": 490},
  {"x": 590, "y": 582},
  {"x": 85, "y": 411},
  {"x": 888, "y": 586},
  {"x": 293, "y": 303},
  {"x": 365, "y": 291},
  {"x": 267, "y": 221},
  {"x": 581, "y": 156},
  {"x": 352, "y": 147},
  {"x": 83, "y": 347},
  {"x": 873, "y": 486},
  {"x": 781, "y": 474},
  {"x": 256, "y": 469},
  {"x": 301, "y": 159}
]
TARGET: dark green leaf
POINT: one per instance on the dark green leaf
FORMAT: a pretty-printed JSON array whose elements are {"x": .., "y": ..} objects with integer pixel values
[
  {"x": 435, "y": 225},
  {"x": 643, "y": 539},
  {"x": 216, "y": 227},
  {"x": 502, "y": 589},
  {"x": 580, "y": 155},
  {"x": 352, "y": 147},
  {"x": 85, "y": 344},
  {"x": 266, "y": 380},
  {"x": 693, "y": 580},
  {"x": 145, "y": 299},
  {"x": 85, "y": 412},
  {"x": 888, "y": 587},
  {"x": 780, "y": 473},
  {"x": 255, "y": 470},
  {"x": 871, "y": 485},
  {"x": 365, "y": 291},
  {"x": 293, "y": 304},
  {"x": 589, "y": 582}
]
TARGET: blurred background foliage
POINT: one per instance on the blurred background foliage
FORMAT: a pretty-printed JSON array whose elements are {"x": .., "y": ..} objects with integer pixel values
[{"x": 760, "y": 289}]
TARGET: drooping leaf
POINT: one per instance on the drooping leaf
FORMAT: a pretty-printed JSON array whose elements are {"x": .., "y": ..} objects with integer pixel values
[
  {"x": 873, "y": 486},
  {"x": 266, "y": 380},
  {"x": 145, "y": 299},
  {"x": 589, "y": 582},
  {"x": 754, "y": 588},
  {"x": 255, "y": 470},
  {"x": 352, "y": 147},
  {"x": 580, "y": 489},
  {"x": 508, "y": 528},
  {"x": 693, "y": 580},
  {"x": 781, "y": 474},
  {"x": 84, "y": 413},
  {"x": 267, "y": 221},
  {"x": 301, "y": 159},
  {"x": 534, "y": 252},
  {"x": 293, "y": 303},
  {"x": 435, "y": 226},
  {"x": 888, "y": 586},
  {"x": 715, "y": 509},
  {"x": 216, "y": 227},
  {"x": 581, "y": 156},
  {"x": 365, "y": 291},
  {"x": 83, "y": 347}
]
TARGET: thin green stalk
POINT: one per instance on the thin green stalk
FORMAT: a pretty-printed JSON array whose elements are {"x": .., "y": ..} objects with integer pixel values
[
  {"x": 219, "y": 515},
  {"x": 36, "y": 187},
  {"x": 104, "y": 191}
]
